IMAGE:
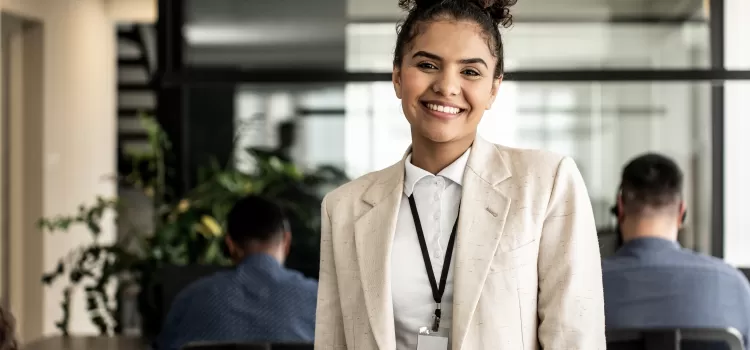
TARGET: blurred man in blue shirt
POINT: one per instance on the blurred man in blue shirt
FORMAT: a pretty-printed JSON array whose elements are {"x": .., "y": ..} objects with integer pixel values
[
  {"x": 259, "y": 300},
  {"x": 651, "y": 281}
]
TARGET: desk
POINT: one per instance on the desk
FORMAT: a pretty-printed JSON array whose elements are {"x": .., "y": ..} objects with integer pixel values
[{"x": 88, "y": 343}]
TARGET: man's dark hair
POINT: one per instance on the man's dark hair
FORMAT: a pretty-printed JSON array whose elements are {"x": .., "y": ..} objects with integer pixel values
[
  {"x": 255, "y": 218},
  {"x": 650, "y": 182}
]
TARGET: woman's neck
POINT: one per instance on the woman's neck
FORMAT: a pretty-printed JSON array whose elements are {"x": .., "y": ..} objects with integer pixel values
[{"x": 436, "y": 156}]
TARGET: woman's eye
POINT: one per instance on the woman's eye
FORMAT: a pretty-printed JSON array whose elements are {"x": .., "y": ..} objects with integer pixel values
[
  {"x": 425, "y": 65},
  {"x": 471, "y": 72}
]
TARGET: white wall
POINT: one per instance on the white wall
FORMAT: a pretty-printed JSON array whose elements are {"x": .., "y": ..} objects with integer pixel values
[
  {"x": 140, "y": 11},
  {"x": 79, "y": 127},
  {"x": 736, "y": 131}
]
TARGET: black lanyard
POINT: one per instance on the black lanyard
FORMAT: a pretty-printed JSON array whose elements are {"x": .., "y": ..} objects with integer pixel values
[{"x": 437, "y": 291}]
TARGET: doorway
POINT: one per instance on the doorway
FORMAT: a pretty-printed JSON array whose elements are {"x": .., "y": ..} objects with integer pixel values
[{"x": 21, "y": 135}]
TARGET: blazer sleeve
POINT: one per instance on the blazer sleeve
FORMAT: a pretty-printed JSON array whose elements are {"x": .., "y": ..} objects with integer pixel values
[
  {"x": 329, "y": 325},
  {"x": 571, "y": 298}
]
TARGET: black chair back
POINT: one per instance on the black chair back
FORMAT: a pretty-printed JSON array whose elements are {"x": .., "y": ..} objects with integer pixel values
[
  {"x": 292, "y": 346},
  {"x": 225, "y": 346},
  {"x": 246, "y": 346},
  {"x": 174, "y": 279},
  {"x": 674, "y": 339},
  {"x": 162, "y": 288},
  {"x": 746, "y": 271}
]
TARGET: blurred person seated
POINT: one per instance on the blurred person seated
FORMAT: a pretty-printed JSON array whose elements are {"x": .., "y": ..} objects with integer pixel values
[
  {"x": 651, "y": 281},
  {"x": 259, "y": 300},
  {"x": 8, "y": 339}
]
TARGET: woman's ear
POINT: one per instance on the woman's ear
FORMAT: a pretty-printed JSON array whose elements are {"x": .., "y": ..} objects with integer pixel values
[
  {"x": 493, "y": 92},
  {"x": 396, "y": 78}
]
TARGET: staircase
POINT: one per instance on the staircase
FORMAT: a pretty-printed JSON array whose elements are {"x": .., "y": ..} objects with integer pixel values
[{"x": 136, "y": 61}]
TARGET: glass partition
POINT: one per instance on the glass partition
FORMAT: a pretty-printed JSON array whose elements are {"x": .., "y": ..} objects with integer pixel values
[
  {"x": 559, "y": 46},
  {"x": 312, "y": 114},
  {"x": 360, "y": 127},
  {"x": 265, "y": 34}
]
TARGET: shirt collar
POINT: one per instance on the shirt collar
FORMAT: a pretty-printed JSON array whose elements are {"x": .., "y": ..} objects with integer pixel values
[
  {"x": 453, "y": 172},
  {"x": 647, "y": 244},
  {"x": 261, "y": 260}
]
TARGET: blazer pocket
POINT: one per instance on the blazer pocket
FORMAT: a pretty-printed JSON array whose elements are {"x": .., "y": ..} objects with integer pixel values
[{"x": 522, "y": 257}]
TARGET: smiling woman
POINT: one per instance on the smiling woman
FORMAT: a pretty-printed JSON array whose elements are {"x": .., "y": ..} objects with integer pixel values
[
  {"x": 446, "y": 80},
  {"x": 525, "y": 243}
]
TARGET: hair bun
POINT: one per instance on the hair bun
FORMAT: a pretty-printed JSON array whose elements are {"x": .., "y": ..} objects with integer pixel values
[
  {"x": 498, "y": 10},
  {"x": 409, "y": 5}
]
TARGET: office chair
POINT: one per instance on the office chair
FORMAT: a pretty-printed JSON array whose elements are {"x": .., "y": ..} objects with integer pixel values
[
  {"x": 745, "y": 271},
  {"x": 674, "y": 339},
  {"x": 225, "y": 346},
  {"x": 162, "y": 289},
  {"x": 246, "y": 346},
  {"x": 292, "y": 346}
]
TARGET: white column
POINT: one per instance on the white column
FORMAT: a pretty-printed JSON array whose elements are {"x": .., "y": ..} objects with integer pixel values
[
  {"x": 736, "y": 140},
  {"x": 73, "y": 144}
]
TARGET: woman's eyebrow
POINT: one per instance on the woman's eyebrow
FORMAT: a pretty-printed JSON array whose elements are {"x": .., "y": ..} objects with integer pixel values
[{"x": 435, "y": 57}]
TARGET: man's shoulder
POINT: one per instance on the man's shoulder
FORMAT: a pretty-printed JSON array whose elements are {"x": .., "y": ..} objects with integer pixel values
[
  {"x": 202, "y": 294},
  {"x": 211, "y": 284},
  {"x": 711, "y": 263},
  {"x": 684, "y": 261},
  {"x": 615, "y": 261},
  {"x": 301, "y": 283}
]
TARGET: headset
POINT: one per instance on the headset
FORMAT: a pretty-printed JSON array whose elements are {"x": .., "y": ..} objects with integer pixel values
[{"x": 615, "y": 211}]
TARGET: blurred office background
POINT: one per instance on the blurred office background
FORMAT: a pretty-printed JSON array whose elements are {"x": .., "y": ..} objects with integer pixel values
[
  {"x": 308, "y": 81},
  {"x": 358, "y": 125}
]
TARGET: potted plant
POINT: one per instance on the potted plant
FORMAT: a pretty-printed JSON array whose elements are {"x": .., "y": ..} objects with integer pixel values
[{"x": 186, "y": 230}]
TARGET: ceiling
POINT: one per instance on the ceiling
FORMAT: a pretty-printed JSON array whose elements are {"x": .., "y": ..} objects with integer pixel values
[{"x": 554, "y": 10}]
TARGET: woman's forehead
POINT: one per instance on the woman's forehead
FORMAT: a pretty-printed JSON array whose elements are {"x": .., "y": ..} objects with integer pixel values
[{"x": 452, "y": 39}]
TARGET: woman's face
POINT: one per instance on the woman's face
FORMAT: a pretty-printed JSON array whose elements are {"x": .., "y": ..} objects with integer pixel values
[{"x": 446, "y": 80}]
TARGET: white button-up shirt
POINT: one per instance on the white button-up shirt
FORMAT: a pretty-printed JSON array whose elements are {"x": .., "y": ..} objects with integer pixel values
[{"x": 437, "y": 198}]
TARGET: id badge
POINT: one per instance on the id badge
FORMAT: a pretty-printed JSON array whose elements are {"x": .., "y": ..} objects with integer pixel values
[{"x": 429, "y": 340}]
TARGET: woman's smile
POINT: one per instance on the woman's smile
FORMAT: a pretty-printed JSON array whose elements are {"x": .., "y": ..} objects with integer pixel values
[{"x": 442, "y": 110}]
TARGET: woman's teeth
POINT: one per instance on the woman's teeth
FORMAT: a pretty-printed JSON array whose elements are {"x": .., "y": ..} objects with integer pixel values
[{"x": 444, "y": 109}]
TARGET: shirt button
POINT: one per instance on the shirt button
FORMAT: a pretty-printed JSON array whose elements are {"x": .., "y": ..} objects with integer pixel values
[
  {"x": 437, "y": 215},
  {"x": 437, "y": 197}
]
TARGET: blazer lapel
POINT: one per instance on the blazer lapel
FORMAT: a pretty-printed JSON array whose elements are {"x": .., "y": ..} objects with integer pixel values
[
  {"x": 373, "y": 234},
  {"x": 480, "y": 227}
]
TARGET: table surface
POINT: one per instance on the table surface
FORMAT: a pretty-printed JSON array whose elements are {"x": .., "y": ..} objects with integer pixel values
[{"x": 88, "y": 343}]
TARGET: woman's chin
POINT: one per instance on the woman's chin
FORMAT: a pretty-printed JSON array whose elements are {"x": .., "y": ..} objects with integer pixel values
[{"x": 440, "y": 136}]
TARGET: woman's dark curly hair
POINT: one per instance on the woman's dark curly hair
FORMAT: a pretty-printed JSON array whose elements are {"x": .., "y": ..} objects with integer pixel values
[
  {"x": 488, "y": 14},
  {"x": 7, "y": 331}
]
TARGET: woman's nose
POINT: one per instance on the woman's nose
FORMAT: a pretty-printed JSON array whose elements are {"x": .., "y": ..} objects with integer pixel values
[{"x": 447, "y": 85}]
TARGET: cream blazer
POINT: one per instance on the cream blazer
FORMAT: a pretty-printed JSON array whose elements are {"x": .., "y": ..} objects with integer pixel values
[{"x": 527, "y": 271}]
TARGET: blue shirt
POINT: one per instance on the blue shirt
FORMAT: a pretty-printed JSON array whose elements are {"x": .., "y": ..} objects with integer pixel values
[
  {"x": 258, "y": 301},
  {"x": 651, "y": 282}
]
